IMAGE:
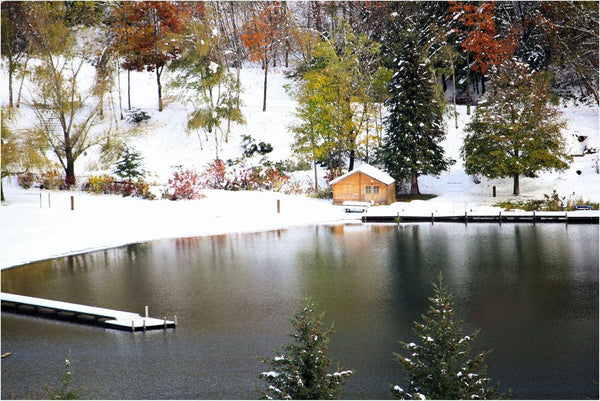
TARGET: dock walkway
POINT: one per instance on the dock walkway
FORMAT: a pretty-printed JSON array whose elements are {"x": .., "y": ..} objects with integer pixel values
[
  {"x": 576, "y": 217},
  {"x": 110, "y": 318}
]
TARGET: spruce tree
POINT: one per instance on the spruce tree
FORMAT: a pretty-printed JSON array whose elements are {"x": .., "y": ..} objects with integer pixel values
[
  {"x": 300, "y": 372},
  {"x": 438, "y": 366},
  {"x": 414, "y": 126},
  {"x": 130, "y": 164},
  {"x": 517, "y": 131}
]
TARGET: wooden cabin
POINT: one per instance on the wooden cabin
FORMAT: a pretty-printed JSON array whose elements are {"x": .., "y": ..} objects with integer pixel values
[{"x": 364, "y": 184}]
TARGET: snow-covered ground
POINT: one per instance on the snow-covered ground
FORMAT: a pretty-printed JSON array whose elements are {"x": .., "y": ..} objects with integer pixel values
[{"x": 30, "y": 232}]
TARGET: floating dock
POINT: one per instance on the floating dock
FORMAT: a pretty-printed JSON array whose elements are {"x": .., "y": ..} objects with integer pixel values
[
  {"x": 109, "y": 318},
  {"x": 575, "y": 217}
]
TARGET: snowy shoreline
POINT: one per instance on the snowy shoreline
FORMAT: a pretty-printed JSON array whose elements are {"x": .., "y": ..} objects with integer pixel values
[{"x": 32, "y": 233}]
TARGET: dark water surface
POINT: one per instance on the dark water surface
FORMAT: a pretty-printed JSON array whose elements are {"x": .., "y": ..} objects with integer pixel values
[{"x": 532, "y": 290}]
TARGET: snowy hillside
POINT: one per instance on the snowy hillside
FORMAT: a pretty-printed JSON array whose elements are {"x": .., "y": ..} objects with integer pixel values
[{"x": 31, "y": 232}]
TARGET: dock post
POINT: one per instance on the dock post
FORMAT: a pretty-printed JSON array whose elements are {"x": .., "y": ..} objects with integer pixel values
[
  {"x": 144, "y": 325},
  {"x": 566, "y": 218},
  {"x": 534, "y": 217},
  {"x": 466, "y": 218},
  {"x": 165, "y": 321},
  {"x": 48, "y": 199},
  {"x": 432, "y": 218},
  {"x": 500, "y": 217},
  {"x": 72, "y": 202},
  {"x": 132, "y": 326},
  {"x": 175, "y": 318},
  {"x": 146, "y": 310}
]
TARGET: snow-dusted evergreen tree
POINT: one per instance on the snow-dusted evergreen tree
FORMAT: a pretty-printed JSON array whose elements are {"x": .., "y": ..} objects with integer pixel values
[
  {"x": 300, "y": 372},
  {"x": 438, "y": 366},
  {"x": 517, "y": 131},
  {"x": 130, "y": 164},
  {"x": 414, "y": 126}
]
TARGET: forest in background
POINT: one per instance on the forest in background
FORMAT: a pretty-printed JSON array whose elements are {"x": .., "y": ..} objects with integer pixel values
[{"x": 342, "y": 55}]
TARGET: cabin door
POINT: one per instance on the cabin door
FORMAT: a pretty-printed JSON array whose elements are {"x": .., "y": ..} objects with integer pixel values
[{"x": 371, "y": 192}]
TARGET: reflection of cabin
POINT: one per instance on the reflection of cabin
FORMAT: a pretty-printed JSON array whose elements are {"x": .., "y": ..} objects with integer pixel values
[{"x": 364, "y": 184}]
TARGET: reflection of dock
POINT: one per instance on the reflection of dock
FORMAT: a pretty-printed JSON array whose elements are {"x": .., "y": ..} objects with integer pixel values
[
  {"x": 586, "y": 217},
  {"x": 107, "y": 317}
]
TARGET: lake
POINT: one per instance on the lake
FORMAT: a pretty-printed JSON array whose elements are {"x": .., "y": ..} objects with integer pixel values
[{"x": 532, "y": 290}]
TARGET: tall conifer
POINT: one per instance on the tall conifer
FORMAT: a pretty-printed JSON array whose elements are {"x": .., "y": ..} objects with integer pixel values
[{"x": 414, "y": 126}]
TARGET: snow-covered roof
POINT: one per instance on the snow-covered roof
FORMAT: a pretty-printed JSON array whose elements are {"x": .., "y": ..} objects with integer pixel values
[{"x": 369, "y": 170}]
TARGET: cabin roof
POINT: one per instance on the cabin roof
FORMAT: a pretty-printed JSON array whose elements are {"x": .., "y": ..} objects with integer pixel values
[{"x": 369, "y": 170}]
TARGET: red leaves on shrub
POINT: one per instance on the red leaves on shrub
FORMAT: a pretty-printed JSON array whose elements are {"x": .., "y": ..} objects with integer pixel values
[{"x": 185, "y": 184}]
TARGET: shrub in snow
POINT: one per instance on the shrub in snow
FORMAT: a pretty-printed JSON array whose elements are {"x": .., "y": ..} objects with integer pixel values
[
  {"x": 136, "y": 116},
  {"x": 102, "y": 184},
  {"x": 185, "y": 184},
  {"x": 438, "y": 366},
  {"x": 300, "y": 372},
  {"x": 215, "y": 175},
  {"x": 26, "y": 180},
  {"x": 52, "y": 179}
]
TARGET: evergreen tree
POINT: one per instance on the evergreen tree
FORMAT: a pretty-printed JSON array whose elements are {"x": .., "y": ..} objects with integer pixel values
[
  {"x": 300, "y": 373},
  {"x": 517, "y": 131},
  {"x": 65, "y": 391},
  {"x": 130, "y": 164},
  {"x": 414, "y": 126},
  {"x": 438, "y": 367}
]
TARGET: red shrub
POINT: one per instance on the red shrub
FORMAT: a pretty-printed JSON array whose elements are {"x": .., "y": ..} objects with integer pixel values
[{"x": 185, "y": 184}]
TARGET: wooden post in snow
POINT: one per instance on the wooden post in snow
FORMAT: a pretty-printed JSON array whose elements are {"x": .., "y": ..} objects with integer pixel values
[
  {"x": 278, "y": 205},
  {"x": 72, "y": 202}
]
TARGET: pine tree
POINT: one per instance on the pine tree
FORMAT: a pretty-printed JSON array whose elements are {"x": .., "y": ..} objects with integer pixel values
[
  {"x": 300, "y": 373},
  {"x": 414, "y": 126},
  {"x": 130, "y": 164},
  {"x": 517, "y": 131},
  {"x": 438, "y": 367}
]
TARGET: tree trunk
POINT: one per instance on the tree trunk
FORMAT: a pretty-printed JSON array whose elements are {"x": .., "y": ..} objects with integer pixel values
[
  {"x": 444, "y": 86},
  {"x": 10, "y": 81},
  {"x": 2, "y": 199},
  {"x": 129, "y": 90},
  {"x": 468, "y": 87},
  {"x": 316, "y": 178},
  {"x": 351, "y": 163},
  {"x": 160, "y": 102},
  {"x": 482, "y": 84},
  {"x": 516, "y": 190},
  {"x": 265, "y": 86},
  {"x": 414, "y": 184},
  {"x": 70, "y": 169},
  {"x": 119, "y": 86},
  {"x": 454, "y": 94}
]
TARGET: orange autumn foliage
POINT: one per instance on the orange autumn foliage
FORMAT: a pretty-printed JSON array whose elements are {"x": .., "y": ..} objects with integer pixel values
[{"x": 482, "y": 37}]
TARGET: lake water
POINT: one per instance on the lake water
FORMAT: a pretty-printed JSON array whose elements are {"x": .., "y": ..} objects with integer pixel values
[{"x": 532, "y": 290}]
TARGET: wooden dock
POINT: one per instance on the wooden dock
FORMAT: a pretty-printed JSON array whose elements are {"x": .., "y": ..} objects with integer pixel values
[
  {"x": 502, "y": 217},
  {"x": 109, "y": 318}
]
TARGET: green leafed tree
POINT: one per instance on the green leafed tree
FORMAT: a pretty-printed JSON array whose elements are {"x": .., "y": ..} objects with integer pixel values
[
  {"x": 438, "y": 365},
  {"x": 208, "y": 86},
  {"x": 22, "y": 151},
  {"x": 414, "y": 125},
  {"x": 301, "y": 371},
  {"x": 517, "y": 130}
]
